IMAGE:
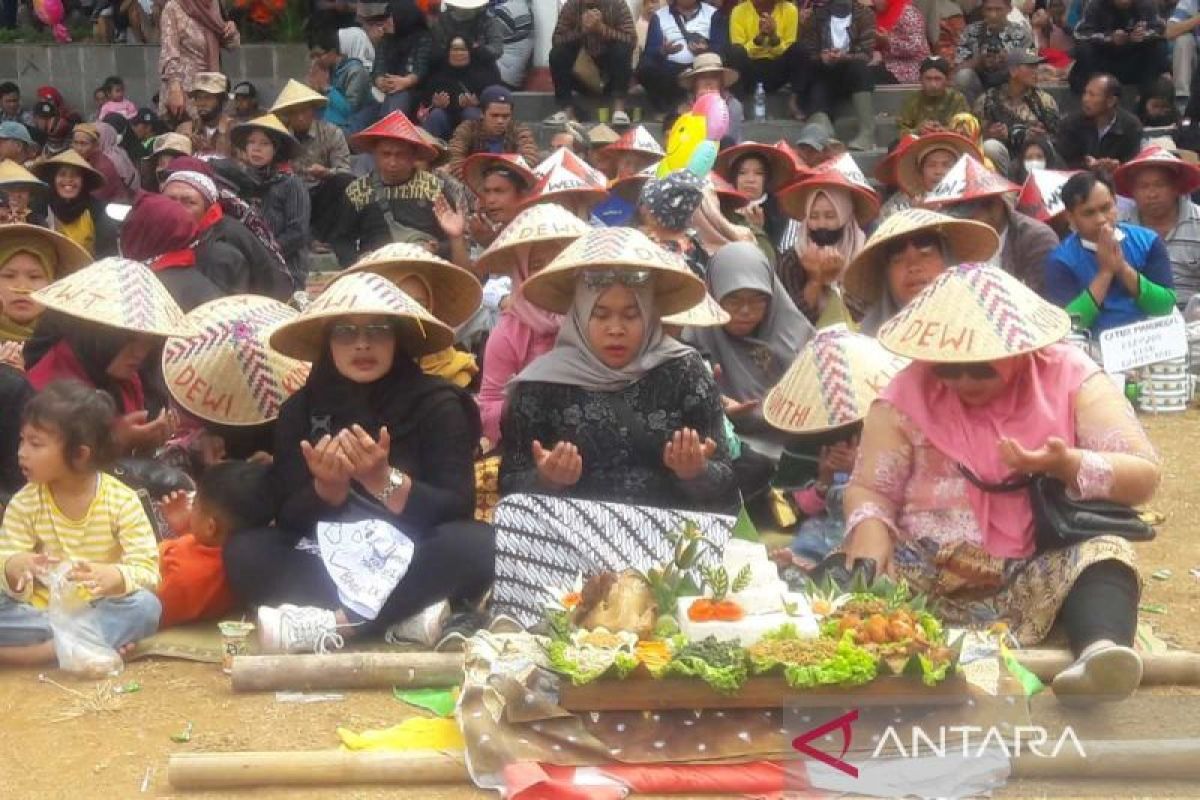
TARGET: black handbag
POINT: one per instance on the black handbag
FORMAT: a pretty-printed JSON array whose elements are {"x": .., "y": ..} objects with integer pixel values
[{"x": 1059, "y": 520}]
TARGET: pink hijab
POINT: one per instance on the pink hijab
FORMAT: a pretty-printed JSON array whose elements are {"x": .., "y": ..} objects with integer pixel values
[
  {"x": 541, "y": 323},
  {"x": 1039, "y": 404}
]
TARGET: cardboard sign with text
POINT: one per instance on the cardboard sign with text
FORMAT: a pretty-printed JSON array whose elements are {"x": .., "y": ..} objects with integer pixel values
[{"x": 1143, "y": 343}]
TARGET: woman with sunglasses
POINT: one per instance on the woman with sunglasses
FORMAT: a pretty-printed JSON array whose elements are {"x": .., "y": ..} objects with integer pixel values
[
  {"x": 938, "y": 496},
  {"x": 617, "y": 410},
  {"x": 369, "y": 436},
  {"x": 905, "y": 254}
]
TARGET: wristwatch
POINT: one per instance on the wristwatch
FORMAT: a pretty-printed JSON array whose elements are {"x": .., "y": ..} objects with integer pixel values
[{"x": 396, "y": 480}]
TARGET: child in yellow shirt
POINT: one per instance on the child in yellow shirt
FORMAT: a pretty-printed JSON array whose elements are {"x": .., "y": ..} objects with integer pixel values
[{"x": 72, "y": 512}]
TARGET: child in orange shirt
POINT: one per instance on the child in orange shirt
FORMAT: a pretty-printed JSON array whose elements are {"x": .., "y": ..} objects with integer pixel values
[{"x": 229, "y": 498}]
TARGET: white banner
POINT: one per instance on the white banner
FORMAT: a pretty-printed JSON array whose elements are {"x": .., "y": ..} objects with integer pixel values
[{"x": 1142, "y": 343}]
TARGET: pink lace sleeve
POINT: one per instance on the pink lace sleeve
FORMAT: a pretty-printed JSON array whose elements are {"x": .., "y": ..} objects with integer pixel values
[
  {"x": 881, "y": 473},
  {"x": 1095, "y": 478},
  {"x": 866, "y": 511}
]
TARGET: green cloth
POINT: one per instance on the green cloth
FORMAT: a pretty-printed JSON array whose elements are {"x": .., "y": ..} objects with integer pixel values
[
  {"x": 918, "y": 108},
  {"x": 1083, "y": 309},
  {"x": 440, "y": 701},
  {"x": 1155, "y": 299}
]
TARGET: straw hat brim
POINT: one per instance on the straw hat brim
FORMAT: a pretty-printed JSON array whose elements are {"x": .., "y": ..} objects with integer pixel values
[
  {"x": 476, "y": 165},
  {"x": 1187, "y": 176},
  {"x": 74, "y": 297},
  {"x": 92, "y": 179},
  {"x": 500, "y": 260},
  {"x": 304, "y": 337},
  {"x": 793, "y": 198},
  {"x": 606, "y": 158},
  {"x": 969, "y": 241},
  {"x": 366, "y": 141},
  {"x": 593, "y": 195},
  {"x": 456, "y": 292},
  {"x": 705, "y": 314},
  {"x": 301, "y": 97},
  {"x": 286, "y": 145},
  {"x": 553, "y": 288},
  {"x": 68, "y": 256},
  {"x": 908, "y": 170},
  {"x": 729, "y": 76},
  {"x": 780, "y": 164}
]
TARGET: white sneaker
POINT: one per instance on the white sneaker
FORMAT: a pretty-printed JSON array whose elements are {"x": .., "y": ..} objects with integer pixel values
[
  {"x": 1104, "y": 672},
  {"x": 558, "y": 118},
  {"x": 297, "y": 629},
  {"x": 620, "y": 118},
  {"x": 423, "y": 628}
]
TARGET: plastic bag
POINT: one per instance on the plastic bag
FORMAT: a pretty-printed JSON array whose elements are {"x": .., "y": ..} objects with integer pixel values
[{"x": 79, "y": 645}]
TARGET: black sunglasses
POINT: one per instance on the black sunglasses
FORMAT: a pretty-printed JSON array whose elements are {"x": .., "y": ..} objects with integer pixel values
[
  {"x": 921, "y": 241},
  {"x": 980, "y": 371}
]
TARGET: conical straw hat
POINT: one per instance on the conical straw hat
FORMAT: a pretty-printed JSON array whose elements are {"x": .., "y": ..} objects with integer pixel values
[
  {"x": 637, "y": 141},
  {"x": 1041, "y": 196},
  {"x": 226, "y": 373},
  {"x": 547, "y": 225},
  {"x": 15, "y": 176},
  {"x": 833, "y": 382},
  {"x": 629, "y": 188},
  {"x": 296, "y": 95},
  {"x": 967, "y": 180},
  {"x": 565, "y": 159},
  {"x": 68, "y": 256},
  {"x": 885, "y": 170},
  {"x": 273, "y": 127},
  {"x": 705, "y": 314},
  {"x": 1187, "y": 176},
  {"x": 456, "y": 292},
  {"x": 361, "y": 293},
  {"x": 396, "y": 127},
  {"x": 45, "y": 170},
  {"x": 908, "y": 163},
  {"x": 841, "y": 173},
  {"x": 119, "y": 293},
  {"x": 973, "y": 312},
  {"x": 565, "y": 181},
  {"x": 969, "y": 241},
  {"x": 780, "y": 164},
  {"x": 621, "y": 249},
  {"x": 477, "y": 164}
]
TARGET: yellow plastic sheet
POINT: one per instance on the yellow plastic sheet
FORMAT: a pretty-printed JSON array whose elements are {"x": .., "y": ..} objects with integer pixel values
[{"x": 417, "y": 733}]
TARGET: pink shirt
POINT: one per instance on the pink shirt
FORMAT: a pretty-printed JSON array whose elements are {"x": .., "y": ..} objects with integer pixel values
[{"x": 511, "y": 346}]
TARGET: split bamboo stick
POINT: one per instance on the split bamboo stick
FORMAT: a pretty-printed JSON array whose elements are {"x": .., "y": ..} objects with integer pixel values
[
  {"x": 315, "y": 768},
  {"x": 1178, "y": 667},
  {"x": 345, "y": 671},
  {"x": 1149, "y": 759}
]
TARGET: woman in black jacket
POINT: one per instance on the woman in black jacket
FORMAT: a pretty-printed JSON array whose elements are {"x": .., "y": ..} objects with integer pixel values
[{"x": 368, "y": 437}]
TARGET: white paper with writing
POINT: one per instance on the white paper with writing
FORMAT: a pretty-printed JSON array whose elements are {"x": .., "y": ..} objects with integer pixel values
[
  {"x": 366, "y": 560},
  {"x": 1142, "y": 343}
]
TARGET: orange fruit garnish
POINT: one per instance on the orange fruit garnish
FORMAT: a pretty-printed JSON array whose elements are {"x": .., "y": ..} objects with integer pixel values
[
  {"x": 728, "y": 611},
  {"x": 702, "y": 610},
  {"x": 571, "y": 600}
]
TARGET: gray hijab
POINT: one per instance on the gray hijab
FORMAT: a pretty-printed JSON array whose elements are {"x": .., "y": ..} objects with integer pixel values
[
  {"x": 880, "y": 312},
  {"x": 751, "y": 365},
  {"x": 573, "y": 362}
]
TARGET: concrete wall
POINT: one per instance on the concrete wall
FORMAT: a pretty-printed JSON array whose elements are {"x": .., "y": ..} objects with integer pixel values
[{"x": 77, "y": 69}]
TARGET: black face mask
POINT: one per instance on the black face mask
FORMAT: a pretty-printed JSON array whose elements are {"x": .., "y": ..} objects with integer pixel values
[
  {"x": 1159, "y": 120},
  {"x": 825, "y": 237}
]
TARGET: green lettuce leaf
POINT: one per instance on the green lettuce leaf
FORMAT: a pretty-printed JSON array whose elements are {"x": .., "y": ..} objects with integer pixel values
[{"x": 725, "y": 680}]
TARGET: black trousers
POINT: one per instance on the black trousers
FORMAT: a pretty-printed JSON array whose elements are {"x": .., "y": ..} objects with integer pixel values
[
  {"x": 615, "y": 63},
  {"x": 1132, "y": 64},
  {"x": 325, "y": 198},
  {"x": 661, "y": 82},
  {"x": 456, "y": 563},
  {"x": 772, "y": 73},
  {"x": 1101, "y": 605},
  {"x": 819, "y": 86}
]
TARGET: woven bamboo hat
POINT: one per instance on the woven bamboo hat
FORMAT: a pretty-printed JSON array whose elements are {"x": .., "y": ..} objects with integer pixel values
[
  {"x": 570, "y": 179},
  {"x": 119, "y": 293},
  {"x": 92, "y": 179},
  {"x": 361, "y": 293},
  {"x": 546, "y": 225},
  {"x": 968, "y": 240},
  {"x": 1041, "y": 196},
  {"x": 833, "y": 382},
  {"x": 68, "y": 256},
  {"x": 226, "y": 373},
  {"x": 15, "y": 176},
  {"x": 271, "y": 125},
  {"x": 885, "y": 170},
  {"x": 620, "y": 250},
  {"x": 705, "y": 314},
  {"x": 456, "y": 293},
  {"x": 973, "y": 312},
  {"x": 1187, "y": 175},
  {"x": 781, "y": 165},
  {"x": 476, "y": 166},
  {"x": 635, "y": 141},
  {"x": 296, "y": 95},
  {"x": 841, "y": 173},
  {"x": 908, "y": 162},
  {"x": 968, "y": 180},
  {"x": 395, "y": 127}
]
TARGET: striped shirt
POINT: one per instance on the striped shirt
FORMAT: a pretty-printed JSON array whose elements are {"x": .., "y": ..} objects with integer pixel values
[
  {"x": 115, "y": 530},
  {"x": 1183, "y": 248}
]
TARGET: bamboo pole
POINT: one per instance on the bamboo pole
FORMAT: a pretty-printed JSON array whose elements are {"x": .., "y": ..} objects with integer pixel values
[
  {"x": 315, "y": 768},
  {"x": 345, "y": 671},
  {"x": 1178, "y": 667},
  {"x": 1152, "y": 759}
]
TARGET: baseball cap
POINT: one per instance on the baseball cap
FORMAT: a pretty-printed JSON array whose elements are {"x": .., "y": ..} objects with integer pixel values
[
  {"x": 45, "y": 109},
  {"x": 16, "y": 131},
  {"x": 210, "y": 83},
  {"x": 145, "y": 116},
  {"x": 494, "y": 94},
  {"x": 935, "y": 62},
  {"x": 373, "y": 11},
  {"x": 245, "y": 89},
  {"x": 815, "y": 135},
  {"x": 1017, "y": 57}
]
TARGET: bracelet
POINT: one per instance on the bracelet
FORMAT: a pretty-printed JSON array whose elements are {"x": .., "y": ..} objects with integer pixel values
[{"x": 396, "y": 481}]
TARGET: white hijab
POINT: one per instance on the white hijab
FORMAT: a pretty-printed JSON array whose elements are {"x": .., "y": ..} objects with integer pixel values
[{"x": 354, "y": 43}]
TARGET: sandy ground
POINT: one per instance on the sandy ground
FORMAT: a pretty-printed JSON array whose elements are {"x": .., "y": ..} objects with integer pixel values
[{"x": 56, "y": 744}]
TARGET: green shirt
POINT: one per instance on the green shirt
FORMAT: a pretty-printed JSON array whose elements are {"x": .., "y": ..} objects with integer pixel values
[{"x": 918, "y": 108}]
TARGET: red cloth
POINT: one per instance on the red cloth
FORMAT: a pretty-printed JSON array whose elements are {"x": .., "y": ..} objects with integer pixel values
[
  {"x": 193, "y": 583},
  {"x": 175, "y": 258},
  {"x": 61, "y": 363},
  {"x": 533, "y": 781},
  {"x": 887, "y": 19},
  {"x": 211, "y": 217},
  {"x": 156, "y": 225}
]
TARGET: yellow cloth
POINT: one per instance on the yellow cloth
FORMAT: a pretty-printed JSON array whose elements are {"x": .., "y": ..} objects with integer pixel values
[
  {"x": 115, "y": 530},
  {"x": 45, "y": 254},
  {"x": 415, "y": 733},
  {"x": 82, "y": 231},
  {"x": 453, "y": 365},
  {"x": 743, "y": 28}
]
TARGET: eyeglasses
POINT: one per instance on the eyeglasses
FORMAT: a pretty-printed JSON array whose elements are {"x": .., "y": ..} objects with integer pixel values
[
  {"x": 344, "y": 333},
  {"x": 629, "y": 278},
  {"x": 925, "y": 243},
  {"x": 980, "y": 371},
  {"x": 754, "y": 302}
]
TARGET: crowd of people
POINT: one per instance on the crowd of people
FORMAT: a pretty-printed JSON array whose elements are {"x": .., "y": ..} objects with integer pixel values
[{"x": 577, "y": 324}]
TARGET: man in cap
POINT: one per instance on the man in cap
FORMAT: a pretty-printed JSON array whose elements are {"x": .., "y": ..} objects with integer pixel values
[
  {"x": 931, "y": 109},
  {"x": 15, "y": 142},
  {"x": 1160, "y": 184},
  {"x": 245, "y": 102},
  {"x": 1010, "y": 113},
  {"x": 145, "y": 126},
  {"x": 397, "y": 201},
  {"x": 163, "y": 149},
  {"x": 1101, "y": 134},
  {"x": 603, "y": 29},
  {"x": 1122, "y": 37},
  {"x": 496, "y": 131},
  {"x": 980, "y": 54},
  {"x": 52, "y": 128},
  {"x": 209, "y": 126}
]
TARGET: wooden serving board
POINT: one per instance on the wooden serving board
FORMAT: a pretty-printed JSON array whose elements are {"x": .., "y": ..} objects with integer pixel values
[{"x": 647, "y": 694}]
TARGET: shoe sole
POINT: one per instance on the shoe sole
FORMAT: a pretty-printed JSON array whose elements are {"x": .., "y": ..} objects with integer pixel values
[
  {"x": 1108, "y": 676},
  {"x": 266, "y": 613}
]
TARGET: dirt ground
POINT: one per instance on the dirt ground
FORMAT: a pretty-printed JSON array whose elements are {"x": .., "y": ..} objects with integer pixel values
[{"x": 55, "y": 744}]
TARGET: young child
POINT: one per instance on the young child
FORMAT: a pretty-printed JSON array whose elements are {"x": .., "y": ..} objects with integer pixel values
[
  {"x": 115, "y": 99},
  {"x": 71, "y": 512},
  {"x": 229, "y": 499}
]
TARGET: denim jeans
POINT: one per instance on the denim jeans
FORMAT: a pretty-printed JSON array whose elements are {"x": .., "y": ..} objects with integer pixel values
[{"x": 118, "y": 620}]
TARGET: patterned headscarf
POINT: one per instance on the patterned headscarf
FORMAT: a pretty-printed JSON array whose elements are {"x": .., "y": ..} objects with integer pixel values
[{"x": 672, "y": 200}]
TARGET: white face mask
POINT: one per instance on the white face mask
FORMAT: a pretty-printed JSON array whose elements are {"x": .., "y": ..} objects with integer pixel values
[
  {"x": 1118, "y": 234},
  {"x": 1034, "y": 163}
]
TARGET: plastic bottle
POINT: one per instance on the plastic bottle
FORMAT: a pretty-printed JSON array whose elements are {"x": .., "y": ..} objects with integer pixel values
[{"x": 760, "y": 103}]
